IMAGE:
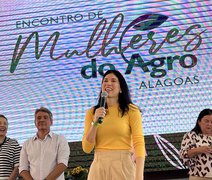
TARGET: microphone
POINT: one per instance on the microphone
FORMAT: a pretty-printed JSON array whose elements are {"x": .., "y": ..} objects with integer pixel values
[{"x": 102, "y": 104}]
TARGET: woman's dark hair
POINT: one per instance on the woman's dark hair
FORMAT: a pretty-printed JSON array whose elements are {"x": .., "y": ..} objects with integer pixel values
[
  {"x": 203, "y": 113},
  {"x": 124, "y": 98}
]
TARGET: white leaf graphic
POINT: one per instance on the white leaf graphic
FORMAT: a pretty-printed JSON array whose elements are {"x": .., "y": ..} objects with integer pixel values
[{"x": 165, "y": 147}]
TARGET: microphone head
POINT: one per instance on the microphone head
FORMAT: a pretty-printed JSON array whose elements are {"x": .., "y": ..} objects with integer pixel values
[{"x": 104, "y": 94}]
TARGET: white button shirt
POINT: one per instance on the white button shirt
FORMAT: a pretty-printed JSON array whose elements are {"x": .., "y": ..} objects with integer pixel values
[{"x": 40, "y": 157}]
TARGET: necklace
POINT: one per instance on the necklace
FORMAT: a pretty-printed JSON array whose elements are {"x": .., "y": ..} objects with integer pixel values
[{"x": 3, "y": 143}]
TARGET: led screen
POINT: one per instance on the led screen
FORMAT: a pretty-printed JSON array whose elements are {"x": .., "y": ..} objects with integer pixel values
[{"x": 53, "y": 54}]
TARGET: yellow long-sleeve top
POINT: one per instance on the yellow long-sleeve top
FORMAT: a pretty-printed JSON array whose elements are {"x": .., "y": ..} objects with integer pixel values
[{"x": 117, "y": 132}]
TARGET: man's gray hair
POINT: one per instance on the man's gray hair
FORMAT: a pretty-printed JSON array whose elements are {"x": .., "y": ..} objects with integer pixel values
[{"x": 43, "y": 109}]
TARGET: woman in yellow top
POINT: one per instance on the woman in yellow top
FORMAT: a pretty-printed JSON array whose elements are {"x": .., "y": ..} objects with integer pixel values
[{"x": 114, "y": 138}]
